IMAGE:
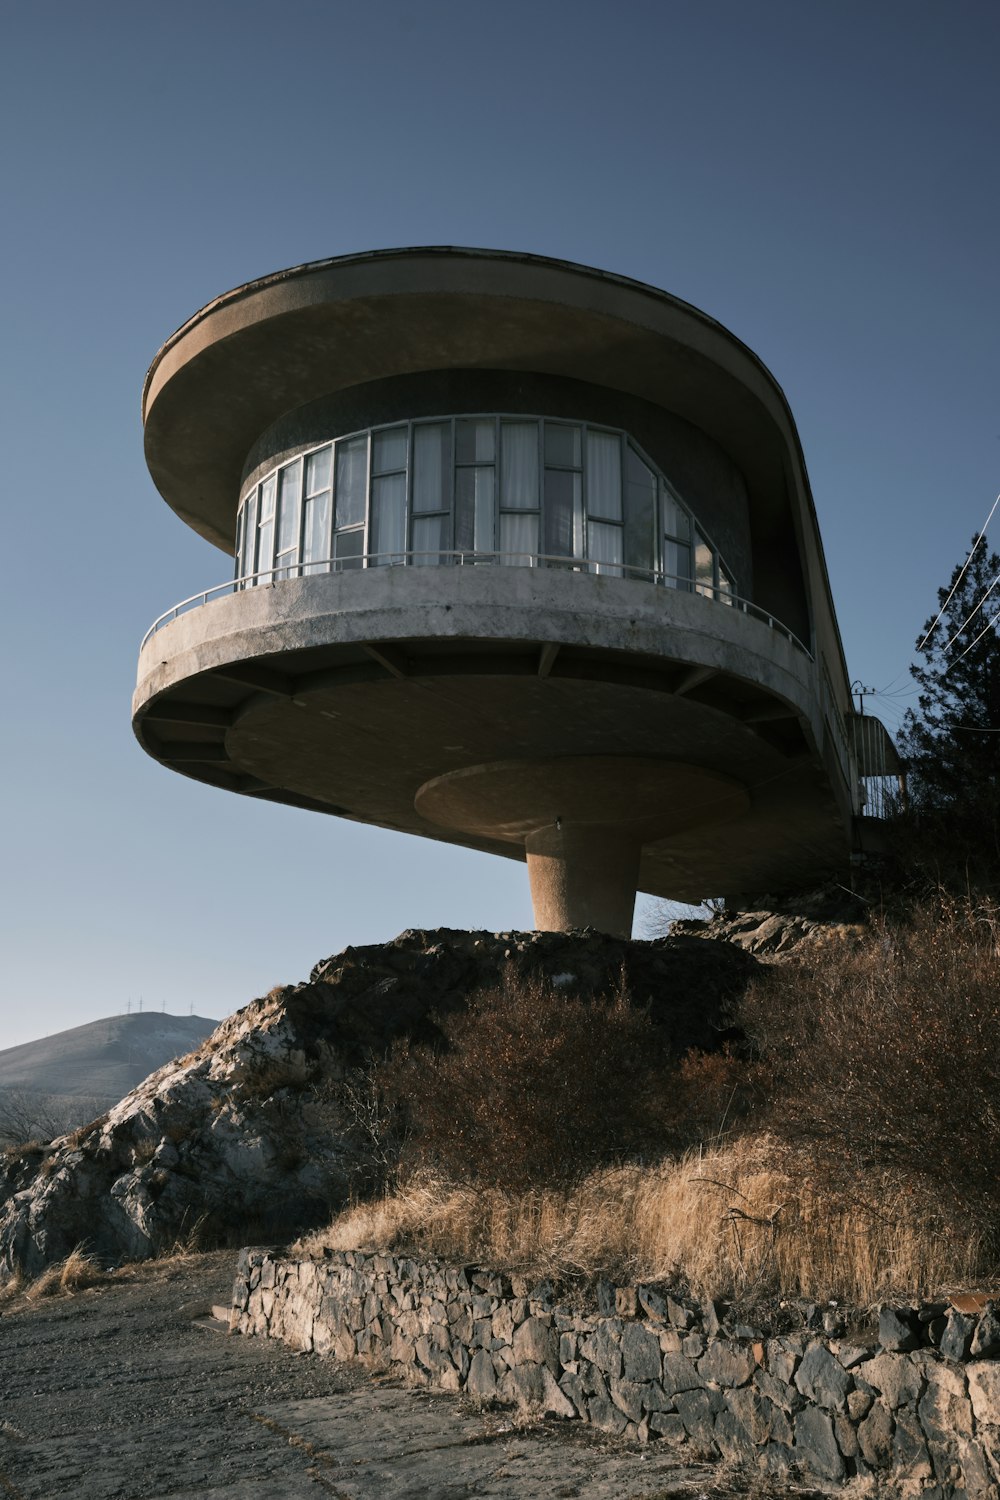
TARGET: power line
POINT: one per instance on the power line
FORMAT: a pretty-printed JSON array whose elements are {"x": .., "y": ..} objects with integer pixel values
[
  {"x": 948, "y": 644},
  {"x": 988, "y": 626},
  {"x": 981, "y": 537}
]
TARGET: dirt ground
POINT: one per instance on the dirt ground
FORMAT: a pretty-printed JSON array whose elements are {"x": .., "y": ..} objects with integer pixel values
[{"x": 118, "y": 1392}]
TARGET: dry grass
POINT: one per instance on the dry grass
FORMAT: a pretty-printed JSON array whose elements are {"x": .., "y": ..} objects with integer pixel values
[
  {"x": 735, "y": 1221},
  {"x": 78, "y": 1271}
]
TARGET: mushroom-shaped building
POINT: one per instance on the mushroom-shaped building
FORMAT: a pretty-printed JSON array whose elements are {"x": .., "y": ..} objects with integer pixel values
[{"x": 526, "y": 560}]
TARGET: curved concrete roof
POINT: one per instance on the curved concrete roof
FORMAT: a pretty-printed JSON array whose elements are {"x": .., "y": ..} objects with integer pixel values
[{"x": 274, "y": 344}]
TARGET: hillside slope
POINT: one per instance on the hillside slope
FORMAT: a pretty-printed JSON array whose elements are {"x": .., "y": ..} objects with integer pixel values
[{"x": 101, "y": 1059}]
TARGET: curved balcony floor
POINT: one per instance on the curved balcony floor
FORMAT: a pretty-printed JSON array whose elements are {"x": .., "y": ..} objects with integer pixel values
[{"x": 347, "y": 692}]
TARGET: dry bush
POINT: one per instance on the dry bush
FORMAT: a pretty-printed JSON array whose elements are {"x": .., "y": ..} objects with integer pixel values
[
  {"x": 531, "y": 1085},
  {"x": 887, "y": 1058},
  {"x": 738, "y": 1221}
]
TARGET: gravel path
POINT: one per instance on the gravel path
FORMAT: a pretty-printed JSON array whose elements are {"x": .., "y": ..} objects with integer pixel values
[{"x": 116, "y": 1393}]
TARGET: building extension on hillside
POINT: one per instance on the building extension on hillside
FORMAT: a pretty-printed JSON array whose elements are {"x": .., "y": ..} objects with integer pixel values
[{"x": 526, "y": 560}]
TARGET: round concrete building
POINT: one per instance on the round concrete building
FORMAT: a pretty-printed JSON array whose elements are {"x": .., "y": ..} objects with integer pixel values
[{"x": 525, "y": 560}]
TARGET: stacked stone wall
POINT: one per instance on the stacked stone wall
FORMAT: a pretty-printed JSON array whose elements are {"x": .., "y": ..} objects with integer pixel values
[{"x": 922, "y": 1402}]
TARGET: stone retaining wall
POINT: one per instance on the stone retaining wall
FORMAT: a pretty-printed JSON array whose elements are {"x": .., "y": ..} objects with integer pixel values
[{"x": 922, "y": 1402}]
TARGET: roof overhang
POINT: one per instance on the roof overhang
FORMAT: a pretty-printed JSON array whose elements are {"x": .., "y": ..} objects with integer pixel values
[{"x": 275, "y": 344}]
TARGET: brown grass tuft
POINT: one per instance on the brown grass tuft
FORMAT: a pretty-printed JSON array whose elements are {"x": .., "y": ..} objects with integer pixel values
[{"x": 65, "y": 1277}]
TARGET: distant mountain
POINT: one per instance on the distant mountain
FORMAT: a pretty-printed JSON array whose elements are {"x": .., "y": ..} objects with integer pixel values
[{"x": 103, "y": 1060}]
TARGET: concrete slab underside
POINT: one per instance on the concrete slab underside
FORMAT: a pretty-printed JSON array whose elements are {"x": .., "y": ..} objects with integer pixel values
[{"x": 363, "y": 748}]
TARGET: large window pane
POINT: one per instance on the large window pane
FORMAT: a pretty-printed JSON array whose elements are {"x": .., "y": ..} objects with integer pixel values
[
  {"x": 430, "y": 539},
  {"x": 562, "y": 445},
  {"x": 474, "y": 510},
  {"x": 676, "y": 521},
  {"x": 389, "y": 519},
  {"x": 318, "y": 470},
  {"x": 389, "y": 450},
  {"x": 316, "y": 536},
  {"x": 265, "y": 550},
  {"x": 562, "y": 500},
  {"x": 604, "y": 475},
  {"x": 352, "y": 478},
  {"x": 604, "y": 546},
  {"x": 475, "y": 440},
  {"x": 519, "y": 538},
  {"x": 640, "y": 513},
  {"x": 249, "y": 535},
  {"x": 289, "y": 483},
  {"x": 519, "y": 465},
  {"x": 677, "y": 564},
  {"x": 348, "y": 549},
  {"x": 431, "y": 466}
]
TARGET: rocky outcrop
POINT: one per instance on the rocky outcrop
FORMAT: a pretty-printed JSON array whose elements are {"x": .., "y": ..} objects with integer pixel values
[{"x": 245, "y": 1136}]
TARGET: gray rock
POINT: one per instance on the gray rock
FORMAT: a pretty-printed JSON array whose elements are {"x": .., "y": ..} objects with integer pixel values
[
  {"x": 572, "y": 1388},
  {"x": 909, "y": 1447},
  {"x": 945, "y": 1410},
  {"x": 605, "y": 1415},
  {"x": 537, "y": 1342},
  {"x": 815, "y": 1445},
  {"x": 899, "y": 1379},
  {"x": 846, "y": 1435},
  {"x": 956, "y": 1341},
  {"x": 555, "y": 1402},
  {"x": 603, "y": 1347},
  {"x": 898, "y": 1330},
  {"x": 481, "y": 1380},
  {"x": 778, "y": 1391},
  {"x": 627, "y": 1396},
  {"x": 727, "y": 1364},
  {"x": 655, "y": 1398},
  {"x": 984, "y": 1391},
  {"x": 731, "y": 1437},
  {"x": 697, "y": 1410},
  {"x": 680, "y": 1315},
  {"x": 668, "y": 1426},
  {"x": 823, "y": 1379},
  {"x": 763, "y": 1420},
  {"x": 641, "y": 1353},
  {"x": 680, "y": 1374},
  {"x": 652, "y": 1304},
  {"x": 986, "y": 1339},
  {"x": 875, "y": 1435}
]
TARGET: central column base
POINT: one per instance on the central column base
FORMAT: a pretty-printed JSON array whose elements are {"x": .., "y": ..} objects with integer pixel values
[
  {"x": 583, "y": 875},
  {"x": 582, "y": 821}
]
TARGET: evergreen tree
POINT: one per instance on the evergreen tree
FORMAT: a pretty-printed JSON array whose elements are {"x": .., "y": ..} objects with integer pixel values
[{"x": 951, "y": 742}]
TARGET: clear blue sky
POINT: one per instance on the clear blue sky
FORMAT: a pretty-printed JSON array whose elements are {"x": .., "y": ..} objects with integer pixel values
[{"x": 820, "y": 177}]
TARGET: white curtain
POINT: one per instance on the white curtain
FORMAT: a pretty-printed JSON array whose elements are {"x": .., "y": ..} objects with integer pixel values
[
  {"x": 429, "y": 537},
  {"x": 519, "y": 534},
  {"x": 430, "y": 445},
  {"x": 389, "y": 518},
  {"x": 604, "y": 547},
  {"x": 604, "y": 475},
  {"x": 519, "y": 465}
]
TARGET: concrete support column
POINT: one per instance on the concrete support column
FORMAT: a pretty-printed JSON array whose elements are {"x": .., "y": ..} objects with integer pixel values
[{"x": 583, "y": 875}]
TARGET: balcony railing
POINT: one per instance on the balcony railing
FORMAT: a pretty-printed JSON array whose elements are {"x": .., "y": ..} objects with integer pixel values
[{"x": 274, "y": 575}]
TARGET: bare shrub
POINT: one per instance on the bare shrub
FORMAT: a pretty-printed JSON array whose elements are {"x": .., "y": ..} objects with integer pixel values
[
  {"x": 27, "y": 1115},
  {"x": 887, "y": 1058},
  {"x": 531, "y": 1085}
]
